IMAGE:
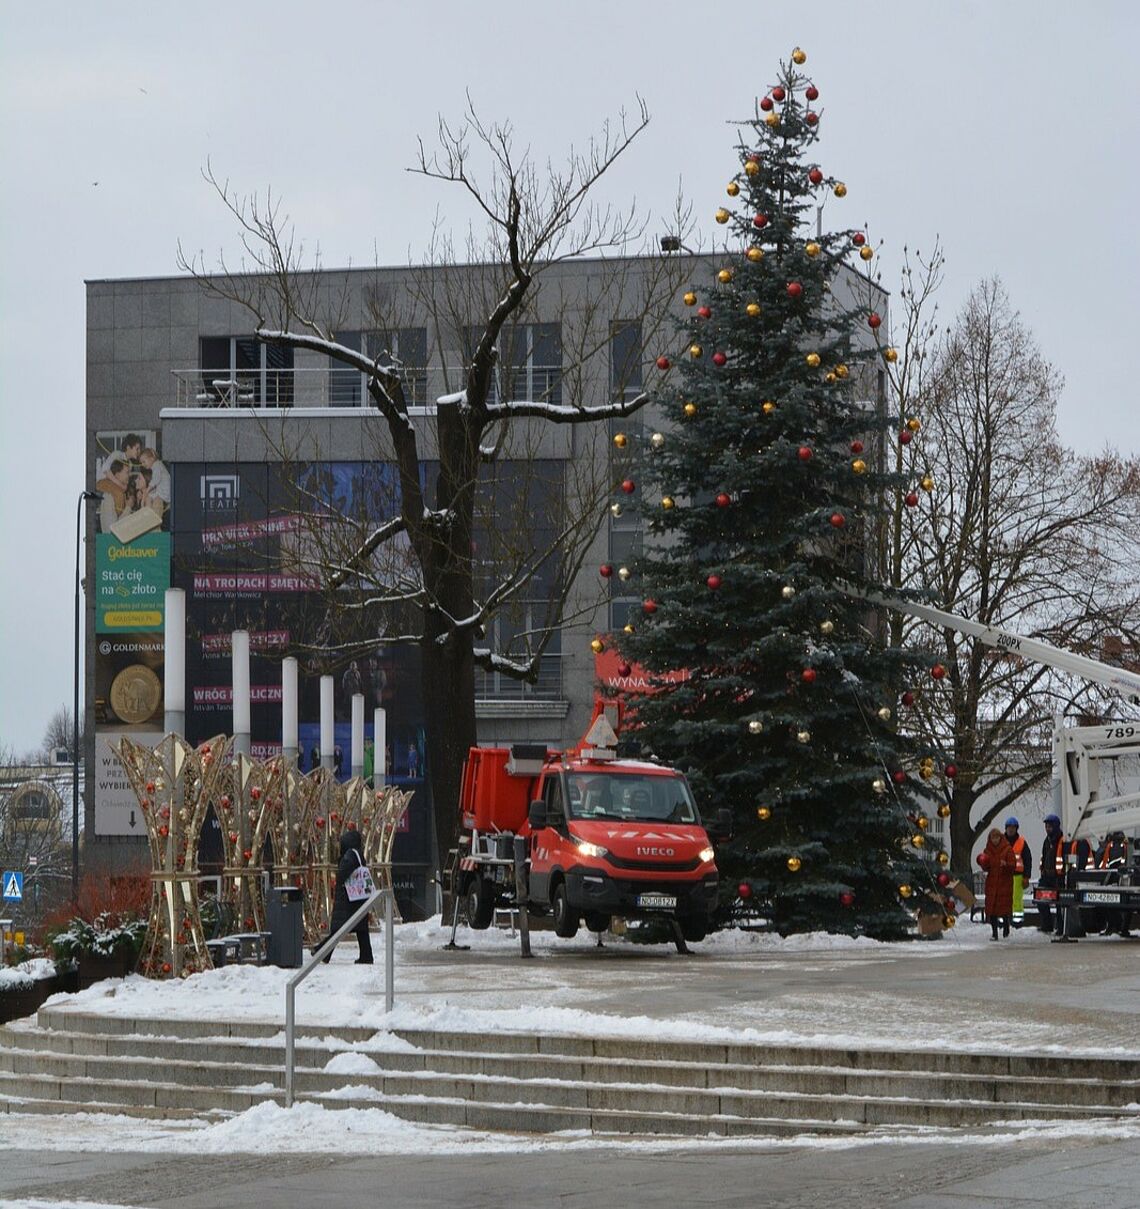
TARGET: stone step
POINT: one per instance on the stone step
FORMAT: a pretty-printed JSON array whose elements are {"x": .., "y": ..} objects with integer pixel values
[{"x": 39, "y": 1107}]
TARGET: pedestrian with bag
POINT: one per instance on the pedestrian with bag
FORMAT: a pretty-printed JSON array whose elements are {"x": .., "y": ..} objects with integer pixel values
[
  {"x": 999, "y": 862},
  {"x": 353, "y": 886}
]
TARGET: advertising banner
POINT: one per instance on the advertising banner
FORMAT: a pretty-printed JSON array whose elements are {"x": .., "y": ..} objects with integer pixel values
[
  {"x": 130, "y": 582},
  {"x": 116, "y": 807}
]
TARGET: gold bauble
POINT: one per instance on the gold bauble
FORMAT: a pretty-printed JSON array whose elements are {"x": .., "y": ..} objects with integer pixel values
[
  {"x": 812, "y": 359},
  {"x": 918, "y": 840},
  {"x": 841, "y": 370},
  {"x": 923, "y": 822},
  {"x": 812, "y": 249},
  {"x": 773, "y": 119},
  {"x": 866, "y": 252},
  {"x": 752, "y": 310},
  {"x": 724, "y": 276},
  {"x": 803, "y": 736},
  {"x": 689, "y": 298},
  {"x": 840, "y": 189},
  {"x": 925, "y": 772},
  {"x": 666, "y": 502},
  {"x": 885, "y": 714},
  {"x": 914, "y": 423},
  {"x": 905, "y": 891},
  {"x": 827, "y": 627},
  {"x": 615, "y": 509},
  {"x": 752, "y": 167},
  {"x": 830, "y": 379},
  {"x": 948, "y": 921},
  {"x": 787, "y": 591},
  {"x": 768, "y": 407},
  {"x": 943, "y": 858},
  {"x": 763, "y": 813},
  {"x": 624, "y": 573},
  {"x": 597, "y": 646},
  {"x": 891, "y": 355},
  {"x": 628, "y": 627},
  {"x": 695, "y": 351},
  {"x": 944, "y": 810},
  {"x": 621, "y": 440},
  {"x": 755, "y": 254},
  {"x": 879, "y": 785},
  {"x": 657, "y": 440},
  {"x": 722, "y": 215},
  {"x": 755, "y": 726},
  {"x": 794, "y": 864},
  {"x": 690, "y": 409},
  {"x": 799, "y": 58},
  {"x": 927, "y": 483},
  {"x": 859, "y": 466},
  {"x": 732, "y": 188}
]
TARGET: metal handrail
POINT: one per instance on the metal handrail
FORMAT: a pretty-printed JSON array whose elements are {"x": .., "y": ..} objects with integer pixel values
[{"x": 318, "y": 956}]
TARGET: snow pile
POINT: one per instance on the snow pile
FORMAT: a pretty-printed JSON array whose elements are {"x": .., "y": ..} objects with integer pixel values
[{"x": 24, "y": 976}]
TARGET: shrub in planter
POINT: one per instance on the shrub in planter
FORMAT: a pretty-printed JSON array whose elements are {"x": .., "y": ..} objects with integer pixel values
[
  {"x": 23, "y": 988},
  {"x": 106, "y": 947}
]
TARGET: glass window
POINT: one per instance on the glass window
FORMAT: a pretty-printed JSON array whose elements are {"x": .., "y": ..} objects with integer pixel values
[
  {"x": 625, "y": 358},
  {"x": 242, "y": 371},
  {"x": 662, "y": 799}
]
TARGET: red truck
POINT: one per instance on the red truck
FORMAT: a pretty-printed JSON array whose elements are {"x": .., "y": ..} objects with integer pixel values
[{"x": 603, "y": 836}]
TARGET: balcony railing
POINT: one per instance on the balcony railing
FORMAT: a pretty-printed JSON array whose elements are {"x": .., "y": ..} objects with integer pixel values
[
  {"x": 322, "y": 386},
  {"x": 494, "y": 686}
]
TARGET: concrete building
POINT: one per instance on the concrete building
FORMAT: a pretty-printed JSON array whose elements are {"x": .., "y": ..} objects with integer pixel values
[{"x": 235, "y": 426}]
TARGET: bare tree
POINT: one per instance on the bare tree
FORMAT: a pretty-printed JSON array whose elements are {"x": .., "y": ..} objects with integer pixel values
[
  {"x": 35, "y": 834},
  {"x": 1006, "y": 527},
  {"x": 59, "y": 735},
  {"x": 419, "y": 576}
]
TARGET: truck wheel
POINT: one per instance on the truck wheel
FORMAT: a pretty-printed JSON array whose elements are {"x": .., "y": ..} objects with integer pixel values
[
  {"x": 596, "y": 922},
  {"x": 694, "y": 930},
  {"x": 480, "y": 903},
  {"x": 565, "y": 920}
]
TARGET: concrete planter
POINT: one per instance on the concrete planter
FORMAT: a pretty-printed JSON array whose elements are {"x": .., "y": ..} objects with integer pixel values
[
  {"x": 15, "y": 1004},
  {"x": 93, "y": 968}
]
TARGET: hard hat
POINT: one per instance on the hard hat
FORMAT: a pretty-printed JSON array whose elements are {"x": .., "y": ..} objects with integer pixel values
[
  {"x": 1012, "y": 821},
  {"x": 1052, "y": 818}
]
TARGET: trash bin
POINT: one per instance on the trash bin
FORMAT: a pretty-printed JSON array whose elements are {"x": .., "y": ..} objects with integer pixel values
[{"x": 285, "y": 914}]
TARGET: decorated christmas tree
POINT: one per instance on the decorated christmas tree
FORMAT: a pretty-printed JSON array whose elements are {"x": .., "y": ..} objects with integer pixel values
[{"x": 760, "y": 496}]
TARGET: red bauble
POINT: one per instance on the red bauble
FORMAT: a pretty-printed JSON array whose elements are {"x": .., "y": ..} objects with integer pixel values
[
  {"x": 246, "y": 854},
  {"x": 754, "y": 157},
  {"x": 811, "y": 118},
  {"x": 899, "y": 777},
  {"x": 704, "y": 312},
  {"x": 847, "y": 898},
  {"x": 911, "y": 499},
  {"x": 723, "y": 500},
  {"x": 766, "y": 104},
  {"x": 628, "y": 486},
  {"x": 778, "y": 93},
  {"x": 624, "y": 669},
  {"x": 713, "y": 582},
  {"x": 319, "y": 821},
  {"x": 606, "y": 570},
  {"x": 856, "y": 446},
  {"x": 649, "y": 606},
  {"x": 858, "y": 239},
  {"x": 808, "y": 675},
  {"x": 838, "y": 520},
  {"x": 760, "y": 220},
  {"x": 951, "y": 770},
  {"x": 164, "y": 831},
  {"x": 150, "y": 787},
  {"x": 874, "y": 319},
  {"x": 255, "y": 792},
  {"x": 937, "y": 672},
  {"x": 804, "y": 453},
  {"x": 811, "y": 92},
  {"x": 815, "y": 176},
  {"x": 795, "y": 290},
  {"x": 905, "y": 436},
  {"x": 663, "y": 363},
  {"x": 907, "y": 698},
  {"x": 944, "y": 878},
  {"x": 744, "y": 890},
  {"x": 225, "y": 801},
  {"x": 233, "y": 837},
  {"x": 718, "y": 359}
]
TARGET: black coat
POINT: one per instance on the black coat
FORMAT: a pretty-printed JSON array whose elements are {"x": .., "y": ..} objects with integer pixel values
[{"x": 351, "y": 858}]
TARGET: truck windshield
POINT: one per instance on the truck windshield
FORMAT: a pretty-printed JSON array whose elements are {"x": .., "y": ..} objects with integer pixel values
[{"x": 614, "y": 795}]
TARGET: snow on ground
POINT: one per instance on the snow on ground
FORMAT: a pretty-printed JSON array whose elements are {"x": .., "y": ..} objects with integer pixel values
[
  {"x": 26, "y": 973},
  {"x": 813, "y": 989}
]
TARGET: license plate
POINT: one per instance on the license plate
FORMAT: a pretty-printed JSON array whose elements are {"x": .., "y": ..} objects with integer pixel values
[
  {"x": 1100, "y": 896},
  {"x": 657, "y": 902}
]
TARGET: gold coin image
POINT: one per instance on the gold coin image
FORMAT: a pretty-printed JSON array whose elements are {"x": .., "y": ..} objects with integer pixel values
[{"x": 135, "y": 694}]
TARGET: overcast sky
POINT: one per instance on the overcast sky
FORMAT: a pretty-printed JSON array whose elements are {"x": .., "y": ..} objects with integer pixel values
[{"x": 1007, "y": 129}]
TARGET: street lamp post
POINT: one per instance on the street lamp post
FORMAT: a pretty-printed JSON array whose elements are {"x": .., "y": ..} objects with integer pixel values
[{"x": 84, "y": 497}]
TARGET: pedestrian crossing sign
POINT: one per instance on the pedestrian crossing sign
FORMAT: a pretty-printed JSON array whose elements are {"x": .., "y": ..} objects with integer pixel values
[{"x": 13, "y": 886}]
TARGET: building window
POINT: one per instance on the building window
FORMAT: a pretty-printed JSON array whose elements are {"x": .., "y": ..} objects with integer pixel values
[
  {"x": 405, "y": 346},
  {"x": 625, "y": 359},
  {"x": 530, "y": 362},
  {"x": 508, "y": 635},
  {"x": 242, "y": 371}
]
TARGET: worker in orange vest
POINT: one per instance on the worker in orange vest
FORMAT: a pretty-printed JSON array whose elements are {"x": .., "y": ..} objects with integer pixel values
[
  {"x": 1114, "y": 855},
  {"x": 1023, "y": 870},
  {"x": 1052, "y": 873}
]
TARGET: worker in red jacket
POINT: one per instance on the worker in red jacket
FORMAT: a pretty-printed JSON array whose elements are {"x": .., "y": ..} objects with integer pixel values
[{"x": 1024, "y": 869}]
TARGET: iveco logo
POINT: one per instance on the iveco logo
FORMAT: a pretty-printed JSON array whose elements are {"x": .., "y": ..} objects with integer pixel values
[{"x": 657, "y": 851}]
